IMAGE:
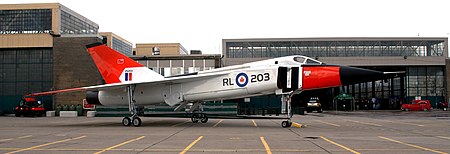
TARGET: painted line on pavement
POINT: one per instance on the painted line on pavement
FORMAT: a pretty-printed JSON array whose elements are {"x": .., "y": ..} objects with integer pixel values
[
  {"x": 266, "y": 146},
  {"x": 175, "y": 150},
  {"x": 339, "y": 145},
  {"x": 254, "y": 123},
  {"x": 9, "y": 139},
  {"x": 46, "y": 144},
  {"x": 328, "y": 123},
  {"x": 412, "y": 145},
  {"x": 399, "y": 122},
  {"x": 215, "y": 125},
  {"x": 180, "y": 123},
  {"x": 363, "y": 122},
  {"x": 120, "y": 144},
  {"x": 443, "y": 137},
  {"x": 191, "y": 145}
]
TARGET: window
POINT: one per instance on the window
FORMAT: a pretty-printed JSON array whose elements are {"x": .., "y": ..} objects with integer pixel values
[
  {"x": 122, "y": 47},
  {"x": 25, "y": 21},
  {"x": 71, "y": 24},
  {"x": 25, "y": 71},
  {"x": 310, "y": 61},
  {"x": 299, "y": 59},
  {"x": 341, "y": 48}
]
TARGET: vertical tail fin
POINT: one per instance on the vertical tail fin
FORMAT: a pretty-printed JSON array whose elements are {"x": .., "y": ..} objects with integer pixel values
[{"x": 116, "y": 67}]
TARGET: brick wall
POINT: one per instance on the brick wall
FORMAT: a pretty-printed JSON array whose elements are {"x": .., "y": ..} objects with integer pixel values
[{"x": 73, "y": 67}]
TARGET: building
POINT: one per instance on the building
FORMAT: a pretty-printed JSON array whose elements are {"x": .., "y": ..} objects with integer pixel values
[
  {"x": 171, "y": 59},
  {"x": 179, "y": 64},
  {"x": 42, "y": 48},
  {"x": 39, "y": 43},
  {"x": 117, "y": 43},
  {"x": 422, "y": 60},
  {"x": 149, "y": 49}
]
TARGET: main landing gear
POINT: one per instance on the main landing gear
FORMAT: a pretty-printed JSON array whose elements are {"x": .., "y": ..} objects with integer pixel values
[
  {"x": 134, "y": 119},
  {"x": 195, "y": 113},
  {"x": 196, "y": 117},
  {"x": 286, "y": 108}
]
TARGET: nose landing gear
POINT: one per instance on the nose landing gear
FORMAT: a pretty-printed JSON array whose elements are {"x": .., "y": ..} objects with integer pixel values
[
  {"x": 286, "y": 105},
  {"x": 286, "y": 124}
]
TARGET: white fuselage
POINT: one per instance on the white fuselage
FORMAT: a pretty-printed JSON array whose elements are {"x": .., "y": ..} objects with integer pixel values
[
  {"x": 260, "y": 81},
  {"x": 251, "y": 79}
]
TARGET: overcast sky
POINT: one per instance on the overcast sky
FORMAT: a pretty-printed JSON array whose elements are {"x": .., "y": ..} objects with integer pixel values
[{"x": 202, "y": 24}]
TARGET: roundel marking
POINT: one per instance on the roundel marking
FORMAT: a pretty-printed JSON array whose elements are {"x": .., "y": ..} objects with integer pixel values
[{"x": 241, "y": 79}]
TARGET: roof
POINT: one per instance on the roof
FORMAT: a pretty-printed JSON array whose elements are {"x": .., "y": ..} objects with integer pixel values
[
  {"x": 177, "y": 57},
  {"x": 338, "y": 39}
]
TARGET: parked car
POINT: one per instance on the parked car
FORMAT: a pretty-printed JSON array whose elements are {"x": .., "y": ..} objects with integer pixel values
[
  {"x": 314, "y": 105},
  {"x": 443, "y": 105},
  {"x": 29, "y": 107},
  {"x": 417, "y": 105}
]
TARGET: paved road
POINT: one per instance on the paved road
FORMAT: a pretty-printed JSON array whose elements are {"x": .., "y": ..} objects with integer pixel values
[{"x": 329, "y": 132}]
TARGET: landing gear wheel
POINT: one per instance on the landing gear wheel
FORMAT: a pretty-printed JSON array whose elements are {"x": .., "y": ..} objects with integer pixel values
[
  {"x": 286, "y": 124},
  {"x": 204, "y": 119},
  {"x": 137, "y": 121},
  {"x": 195, "y": 118},
  {"x": 126, "y": 121}
]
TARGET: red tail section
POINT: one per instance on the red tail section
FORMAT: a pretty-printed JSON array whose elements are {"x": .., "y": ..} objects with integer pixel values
[{"x": 109, "y": 62}]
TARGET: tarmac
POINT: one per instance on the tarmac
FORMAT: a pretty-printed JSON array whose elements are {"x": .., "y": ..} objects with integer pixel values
[{"x": 328, "y": 132}]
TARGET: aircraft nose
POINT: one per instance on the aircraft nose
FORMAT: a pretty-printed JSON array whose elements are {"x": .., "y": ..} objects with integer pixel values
[{"x": 353, "y": 75}]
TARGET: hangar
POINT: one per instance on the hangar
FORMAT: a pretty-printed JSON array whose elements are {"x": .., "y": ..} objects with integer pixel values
[
  {"x": 42, "y": 48},
  {"x": 38, "y": 46},
  {"x": 423, "y": 59}
]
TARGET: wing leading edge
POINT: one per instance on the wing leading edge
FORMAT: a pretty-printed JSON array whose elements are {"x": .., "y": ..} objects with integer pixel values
[{"x": 168, "y": 81}]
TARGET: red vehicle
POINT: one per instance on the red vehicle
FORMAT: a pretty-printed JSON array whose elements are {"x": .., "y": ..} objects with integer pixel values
[
  {"x": 29, "y": 107},
  {"x": 417, "y": 105},
  {"x": 443, "y": 105}
]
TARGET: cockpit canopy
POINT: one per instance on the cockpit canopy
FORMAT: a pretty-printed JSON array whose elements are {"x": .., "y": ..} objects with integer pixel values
[
  {"x": 288, "y": 60},
  {"x": 306, "y": 60}
]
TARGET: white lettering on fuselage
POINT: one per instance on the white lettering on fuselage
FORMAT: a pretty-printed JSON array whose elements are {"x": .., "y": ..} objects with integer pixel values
[{"x": 253, "y": 78}]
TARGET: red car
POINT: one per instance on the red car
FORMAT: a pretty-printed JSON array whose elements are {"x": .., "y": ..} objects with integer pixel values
[
  {"x": 417, "y": 105},
  {"x": 29, "y": 107},
  {"x": 443, "y": 105}
]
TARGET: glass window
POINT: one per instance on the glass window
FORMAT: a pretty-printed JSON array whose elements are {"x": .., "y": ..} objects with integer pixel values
[
  {"x": 299, "y": 59},
  {"x": 71, "y": 24},
  {"x": 310, "y": 61},
  {"x": 334, "y": 48},
  {"x": 177, "y": 63},
  {"x": 121, "y": 46},
  {"x": 25, "y": 21},
  {"x": 25, "y": 71}
]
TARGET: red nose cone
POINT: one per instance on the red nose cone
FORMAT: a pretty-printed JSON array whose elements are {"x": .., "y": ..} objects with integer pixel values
[{"x": 317, "y": 77}]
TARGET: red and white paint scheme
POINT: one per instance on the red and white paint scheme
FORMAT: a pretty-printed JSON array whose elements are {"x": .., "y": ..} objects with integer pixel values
[{"x": 130, "y": 83}]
